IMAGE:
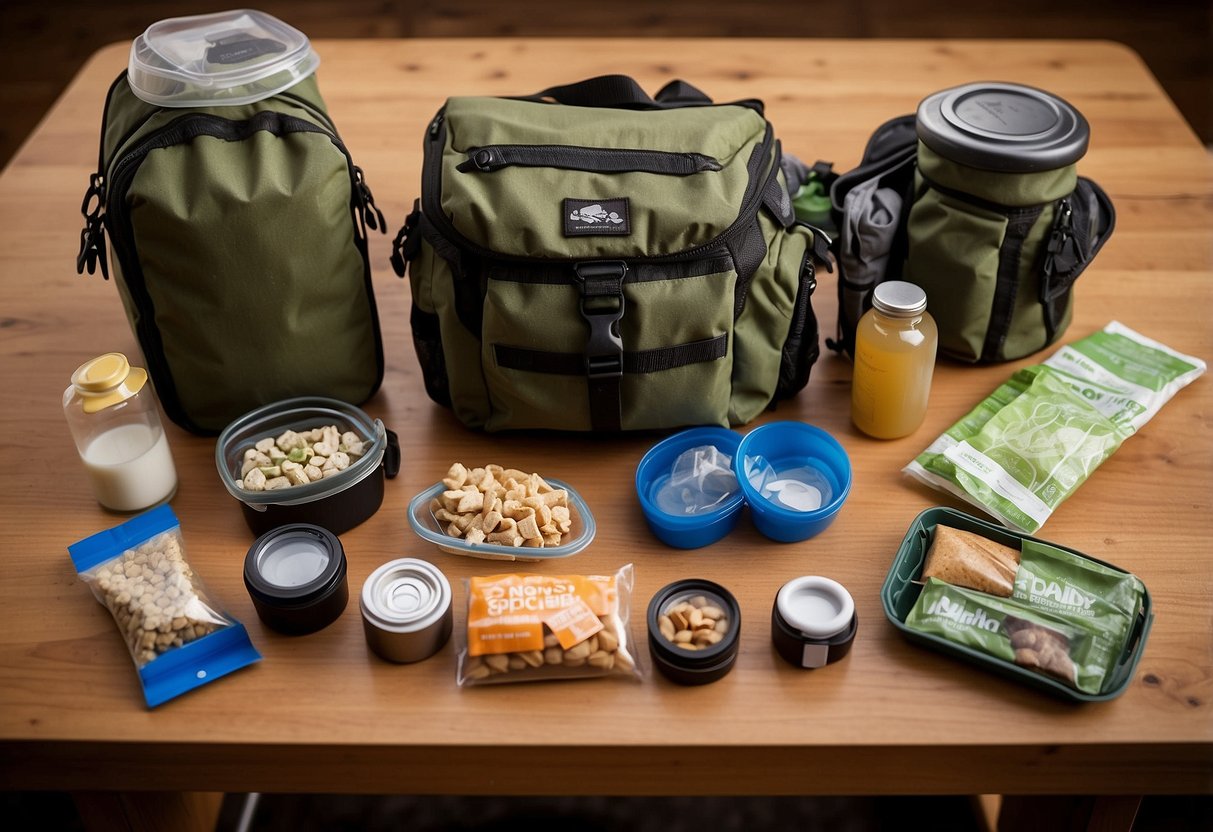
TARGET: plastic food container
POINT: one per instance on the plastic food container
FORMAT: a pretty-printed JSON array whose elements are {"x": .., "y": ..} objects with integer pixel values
[
  {"x": 813, "y": 621},
  {"x": 406, "y": 610},
  {"x": 687, "y": 531},
  {"x": 296, "y": 576},
  {"x": 338, "y": 503},
  {"x": 900, "y": 592},
  {"x": 789, "y": 507},
  {"x": 709, "y": 662},
  {"x": 234, "y": 57},
  {"x": 427, "y": 527}
]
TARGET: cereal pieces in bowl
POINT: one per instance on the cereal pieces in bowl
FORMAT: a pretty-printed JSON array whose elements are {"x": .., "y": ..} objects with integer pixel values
[{"x": 503, "y": 514}]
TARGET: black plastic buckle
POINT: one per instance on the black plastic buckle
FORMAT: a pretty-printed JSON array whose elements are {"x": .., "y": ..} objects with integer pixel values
[{"x": 601, "y": 284}]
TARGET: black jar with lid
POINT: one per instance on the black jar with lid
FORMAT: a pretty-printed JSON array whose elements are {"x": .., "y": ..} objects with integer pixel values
[
  {"x": 296, "y": 576},
  {"x": 708, "y": 657}
]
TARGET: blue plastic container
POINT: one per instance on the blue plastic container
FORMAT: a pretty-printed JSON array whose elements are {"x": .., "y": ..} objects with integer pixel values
[
  {"x": 686, "y": 531},
  {"x": 787, "y": 445}
]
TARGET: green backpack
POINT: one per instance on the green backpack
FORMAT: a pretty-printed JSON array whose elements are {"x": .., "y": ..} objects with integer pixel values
[
  {"x": 239, "y": 235},
  {"x": 590, "y": 258}
]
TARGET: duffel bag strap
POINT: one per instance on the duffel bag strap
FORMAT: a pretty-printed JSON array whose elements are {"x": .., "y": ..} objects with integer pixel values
[
  {"x": 622, "y": 92},
  {"x": 601, "y": 285}
]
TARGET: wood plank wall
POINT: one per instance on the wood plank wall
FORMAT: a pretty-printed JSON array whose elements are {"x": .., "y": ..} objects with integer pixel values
[{"x": 43, "y": 43}]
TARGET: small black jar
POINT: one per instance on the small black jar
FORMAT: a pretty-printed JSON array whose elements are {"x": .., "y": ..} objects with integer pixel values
[
  {"x": 706, "y": 661},
  {"x": 813, "y": 622},
  {"x": 296, "y": 577}
]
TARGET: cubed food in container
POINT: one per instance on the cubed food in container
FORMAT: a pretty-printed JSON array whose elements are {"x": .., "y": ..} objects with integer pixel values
[{"x": 346, "y": 494}]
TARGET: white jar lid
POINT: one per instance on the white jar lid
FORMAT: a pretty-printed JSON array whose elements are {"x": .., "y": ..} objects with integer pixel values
[
  {"x": 818, "y": 607},
  {"x": 227, "y": 58}
]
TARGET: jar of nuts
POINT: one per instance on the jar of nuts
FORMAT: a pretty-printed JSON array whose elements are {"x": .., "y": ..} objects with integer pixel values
[{"x": 694, "y": 631}]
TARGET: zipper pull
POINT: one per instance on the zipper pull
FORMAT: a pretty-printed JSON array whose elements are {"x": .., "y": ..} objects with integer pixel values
[
  {"x": 371, "y": 214},
  {"x": 404, "y": 247},
  {"x": 436, "y": 124},
  {"x": 92, "y": 237},
  {"x": 1058, "y": 239},
  {"x": 486, "y": 159}
]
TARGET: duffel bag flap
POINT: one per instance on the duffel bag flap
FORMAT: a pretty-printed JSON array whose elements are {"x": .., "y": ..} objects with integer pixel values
[{"x": 527, "y": 179}]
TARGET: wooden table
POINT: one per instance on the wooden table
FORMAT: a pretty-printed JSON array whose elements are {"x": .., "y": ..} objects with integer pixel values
[{"x": 320, "y": 714}]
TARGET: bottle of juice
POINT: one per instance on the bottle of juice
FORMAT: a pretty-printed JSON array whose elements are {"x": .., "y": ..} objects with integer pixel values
[
  {"x": 894, "y": 359},
  {"x": 112, "y": 414}
]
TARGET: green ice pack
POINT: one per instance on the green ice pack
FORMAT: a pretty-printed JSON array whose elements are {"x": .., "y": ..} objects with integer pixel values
[{"x": 1035, "y": 439}]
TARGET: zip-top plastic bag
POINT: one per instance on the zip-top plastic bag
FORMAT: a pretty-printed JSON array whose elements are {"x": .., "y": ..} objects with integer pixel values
[
  {"x": 1036, "y": 438},
  {"x": 178, "y": 638},
  {"x": 537, "y": 627}
]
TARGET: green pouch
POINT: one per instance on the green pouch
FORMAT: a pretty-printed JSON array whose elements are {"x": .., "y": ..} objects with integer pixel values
[
  {"x": 590, "y": 258},
  {"x": 977, "y": 200},
  {"x": 240, "y": 254}
]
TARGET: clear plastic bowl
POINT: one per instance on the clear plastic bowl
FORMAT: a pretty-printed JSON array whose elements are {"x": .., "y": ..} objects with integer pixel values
[{"x": 427, "y": 527}]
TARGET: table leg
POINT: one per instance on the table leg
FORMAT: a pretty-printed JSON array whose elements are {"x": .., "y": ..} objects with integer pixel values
[
  {"x": 1106, "y": 813},
  {"x": 148, "y": 811}
]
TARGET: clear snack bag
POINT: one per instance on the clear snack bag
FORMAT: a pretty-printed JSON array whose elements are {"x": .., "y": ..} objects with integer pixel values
[
  {"x": 178, "y": 638},
  {"x": 536, "y": 627}
]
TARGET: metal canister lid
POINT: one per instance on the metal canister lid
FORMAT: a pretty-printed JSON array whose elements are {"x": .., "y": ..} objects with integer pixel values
[
  {"x": 1003, "y": 127},
  {"x": 406, "y": 610},
  {"x": 899, "y": 299}
]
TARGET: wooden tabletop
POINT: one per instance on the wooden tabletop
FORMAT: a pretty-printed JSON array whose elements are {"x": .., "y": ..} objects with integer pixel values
[{"x": 321, "y": 714}]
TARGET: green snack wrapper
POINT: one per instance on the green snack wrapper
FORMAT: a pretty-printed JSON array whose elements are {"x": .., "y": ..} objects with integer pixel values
[
  {"x": 1036, "y": 438},
  {"x": 1011, "y": 632}
]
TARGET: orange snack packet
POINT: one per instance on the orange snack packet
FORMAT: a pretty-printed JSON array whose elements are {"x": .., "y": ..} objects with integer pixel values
[{"x": 522, "y": 627}]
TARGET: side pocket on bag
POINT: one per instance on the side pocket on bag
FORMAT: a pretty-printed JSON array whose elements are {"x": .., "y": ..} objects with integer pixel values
[
  {"x": 761, "y": 331},
  {"x": 426, "y": 327},
  {"x": 801, "y": 349}
]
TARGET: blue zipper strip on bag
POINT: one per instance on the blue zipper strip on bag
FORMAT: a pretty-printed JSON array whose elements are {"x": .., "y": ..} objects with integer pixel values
[
  {"x": 193, "y": 665},
  {"x": 107, "y": 545}
]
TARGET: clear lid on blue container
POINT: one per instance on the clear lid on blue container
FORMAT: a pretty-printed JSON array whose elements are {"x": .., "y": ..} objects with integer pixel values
[{"x": 226, "y": 58}]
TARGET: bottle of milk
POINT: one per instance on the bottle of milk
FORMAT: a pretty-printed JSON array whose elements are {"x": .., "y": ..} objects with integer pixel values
[{"x": 111, "y": 411}]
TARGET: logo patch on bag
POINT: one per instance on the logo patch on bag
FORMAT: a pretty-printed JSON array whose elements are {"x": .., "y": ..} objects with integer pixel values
[{"x": 586, "y": 217}]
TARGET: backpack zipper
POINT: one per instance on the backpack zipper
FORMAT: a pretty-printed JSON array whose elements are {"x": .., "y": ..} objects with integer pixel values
[
  {"x": 590, "y": 159},
  {"x": 431, "y": 187}
]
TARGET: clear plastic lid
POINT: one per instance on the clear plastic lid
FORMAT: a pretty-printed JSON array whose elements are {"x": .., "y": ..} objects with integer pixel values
[{"x": 226, "y": 58}]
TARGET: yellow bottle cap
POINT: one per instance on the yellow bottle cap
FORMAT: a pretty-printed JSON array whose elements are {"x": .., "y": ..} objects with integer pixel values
[{"x": 107, "y": 380}]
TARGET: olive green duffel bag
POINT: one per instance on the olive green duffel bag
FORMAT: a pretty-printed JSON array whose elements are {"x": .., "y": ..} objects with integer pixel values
[
  {"x": 590, "y": 258},
  {"x": 976, "y": 199},
  {"x": 237, "y": 220}
]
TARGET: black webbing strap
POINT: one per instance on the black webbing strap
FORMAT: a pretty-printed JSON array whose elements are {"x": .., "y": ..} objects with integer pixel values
[
  {"x": 601, "y": 284},
  {"x": 622, "y": 92},
  {"x": 634, "y": 362}
]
